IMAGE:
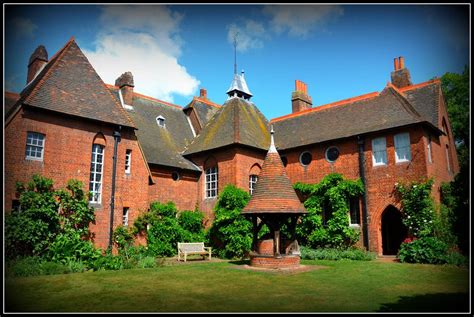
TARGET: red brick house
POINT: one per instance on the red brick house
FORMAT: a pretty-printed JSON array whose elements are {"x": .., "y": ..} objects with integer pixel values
[{"x": 67, "y": 123}]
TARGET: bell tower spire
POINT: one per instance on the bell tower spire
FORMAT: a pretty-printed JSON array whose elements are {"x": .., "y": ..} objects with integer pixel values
[{"x": 238, "y": 88}]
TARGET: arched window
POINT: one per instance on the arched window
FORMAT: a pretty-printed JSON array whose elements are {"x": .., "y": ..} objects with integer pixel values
[
  {"x": 97, "y": 169},
  {"x": 253, "y": 177}
]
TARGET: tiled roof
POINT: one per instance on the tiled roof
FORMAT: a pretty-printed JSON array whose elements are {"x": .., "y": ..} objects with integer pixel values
[
  {"x": 426, "y": 99},
  {"x": 368, "y": 113},
  {"x": 10, "y": 99},
  {"x": 273, "y": 192},
  {"x": 204, "y": 109},
  {"x": 237, "y": 122},
  {"x": 69, "y": 84},
  {"x": 161, "y": 145}
]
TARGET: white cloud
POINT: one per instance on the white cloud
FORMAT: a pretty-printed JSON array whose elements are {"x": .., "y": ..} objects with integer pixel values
[
  {"x": 144, "y": 40},
  {"x": 22, "y": 27},
  {"x": 300, "y": 20},
  {"x": 250, "y": 34}
]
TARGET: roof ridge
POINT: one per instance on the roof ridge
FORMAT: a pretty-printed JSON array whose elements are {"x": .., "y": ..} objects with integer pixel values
[
  {"x": 420, "y": 85},
  {"x": 342, "y": 102},
  {"x": 210, "y": 103},
  {"x": 157, "y": 100}
]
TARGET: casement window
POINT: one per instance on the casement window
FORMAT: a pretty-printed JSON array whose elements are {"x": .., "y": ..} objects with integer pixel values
[
  {"x": 95, "y": 180},
  {"x": 211, "y": 182},
  {"x": 34, "y": 146},
  {"x": 252, "y": 183},
  {"x": 128, "y": 161},
  {"x": 430, "y": 158},
  {"x": 402, "y": 147},
  {"x": 125, "y": 216},
  {"x": 379, "y": 151},
  {"x": 354, "y": 212}
]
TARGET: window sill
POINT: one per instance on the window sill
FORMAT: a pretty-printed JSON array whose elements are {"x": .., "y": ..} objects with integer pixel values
[
  {"x": 354, "y": 226},
  {"x": 402, "y": 162},
  {"x": 35, "y": 159}
]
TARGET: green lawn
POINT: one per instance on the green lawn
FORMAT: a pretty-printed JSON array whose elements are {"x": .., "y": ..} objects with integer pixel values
[{"x": 341, "y": 286}]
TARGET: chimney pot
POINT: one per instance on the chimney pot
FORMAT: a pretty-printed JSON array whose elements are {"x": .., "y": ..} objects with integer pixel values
[
  {"x": 396, "y": 63},
  {"x": 203, "y": 93},
  {"x": 402, "y": 62},
  {"x": 299, "y": 98}
]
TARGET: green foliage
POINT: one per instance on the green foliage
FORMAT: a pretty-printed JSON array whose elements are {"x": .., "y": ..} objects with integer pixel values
[
  {"x": 417, "y": 207},
  {"x": 33, "y": 266},
  {"x": 336, "y": 254},
  {"x": 167, "y": 227},
  {"x": 31, "y": 231},
  {"x": 70, "y": 247},
  {"x": 332, "y": 194},
  {"x": 428, "y": 250},
  {"x": 123, "y": 238},
  {"x": 231, "y": 234}
]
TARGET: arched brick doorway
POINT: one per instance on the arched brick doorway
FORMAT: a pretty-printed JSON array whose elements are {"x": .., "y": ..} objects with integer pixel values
[{"x": 393, "y": 231}]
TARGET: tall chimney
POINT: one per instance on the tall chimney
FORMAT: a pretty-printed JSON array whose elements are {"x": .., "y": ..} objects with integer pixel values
[
  {"x": 125, "y": 83},
  {"x": 299, "y": 98},
  {"x": 203, "y": 93},
  {"x": 400, "y": 75},
  {"x": 37, "y": 61}
]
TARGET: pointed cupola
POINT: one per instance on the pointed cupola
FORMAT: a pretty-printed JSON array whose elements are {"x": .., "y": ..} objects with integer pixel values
[{"x": 238, "y": 87}]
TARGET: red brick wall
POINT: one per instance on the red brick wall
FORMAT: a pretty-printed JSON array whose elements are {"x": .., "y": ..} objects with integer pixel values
[
  {"x": 67, "y": 155},
  {"x": 234, "y": 164},
  {"x": 183, "y": 192}
]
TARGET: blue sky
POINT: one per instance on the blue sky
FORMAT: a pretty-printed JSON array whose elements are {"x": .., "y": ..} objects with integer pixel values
[{"x": 173, "y": 51}]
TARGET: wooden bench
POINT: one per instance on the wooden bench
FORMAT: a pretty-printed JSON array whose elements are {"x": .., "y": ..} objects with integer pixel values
[{"x": 185, "y": 248}]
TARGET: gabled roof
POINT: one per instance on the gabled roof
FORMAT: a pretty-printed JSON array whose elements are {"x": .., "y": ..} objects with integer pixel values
[
  {"x": 368, "y": 113},
  {"x": 274, "y": 192},
  {"x": 237, "y": 122},
  {"x": 204, "y": 109},
  {"x": 425, "y": 97},
  {"x": 69, "y": 84},
  {"x": 161, "y": 145}
]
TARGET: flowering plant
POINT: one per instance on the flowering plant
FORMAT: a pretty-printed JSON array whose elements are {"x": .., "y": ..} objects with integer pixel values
[{"x": 417, "y": 207}]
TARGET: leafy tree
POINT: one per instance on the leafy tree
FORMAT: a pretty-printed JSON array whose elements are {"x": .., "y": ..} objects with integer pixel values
[{"x": 231, "y": 234}]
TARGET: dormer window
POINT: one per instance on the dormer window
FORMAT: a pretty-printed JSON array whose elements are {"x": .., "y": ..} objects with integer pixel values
[{"x": 160, "y": 120}]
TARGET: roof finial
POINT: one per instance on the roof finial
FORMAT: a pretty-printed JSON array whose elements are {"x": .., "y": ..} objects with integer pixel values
[
  {"x": 272, "y": 141},
  {"x": 235, "y": 52}
]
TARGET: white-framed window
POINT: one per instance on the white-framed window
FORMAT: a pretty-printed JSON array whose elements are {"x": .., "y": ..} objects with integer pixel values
[
  {"x": 128, "y": 161},
  {"x": 95, "y": 180},
  {"x": 125, "y": 216},
  {"x": 402, "y": 147},
  {"x": 252, "y": 183},
  {"x": 160, "y": 120},
  {"x": 34, "y": 146},
  {"x": 430, "y": 158},
  {"x": 332, "y": 154},
  {"x": 211, "y": 182},
  {"x": 354, "y": 212},
  {"x": 379, "y": 151}
]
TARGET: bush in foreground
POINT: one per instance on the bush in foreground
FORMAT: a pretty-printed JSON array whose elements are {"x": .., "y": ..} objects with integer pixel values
[{"x": 336, "y": 254}]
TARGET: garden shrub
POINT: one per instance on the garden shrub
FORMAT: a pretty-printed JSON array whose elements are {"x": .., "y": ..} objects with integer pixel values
[
  {"x": 231, "y": 234},
  {"x": 333, "y": 194},
  {"x": 429, "y": 250},
  {"x": 336, "y": 254}
]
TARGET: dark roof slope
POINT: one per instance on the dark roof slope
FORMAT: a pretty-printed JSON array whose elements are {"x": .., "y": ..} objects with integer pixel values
[
  {"x": 69, "y": 84},
  {"x": 204, "y": 109},
  {"x": 162, "y": 146},
  {"x": 425, "y": 99},
  {"x": 375, "y": 112},
  {"x": 10, "y": 99},
  {"x": 236, "y": 122}
]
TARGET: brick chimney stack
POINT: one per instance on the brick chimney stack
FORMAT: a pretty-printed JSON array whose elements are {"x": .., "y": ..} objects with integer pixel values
[
  {"x": 203, "y": 94},
  {"x": 400, "y": 75},
  {"x": 37, "y": 61},
  {"x": 125, "y": 83},
  {"x": 299, "y": 98}
]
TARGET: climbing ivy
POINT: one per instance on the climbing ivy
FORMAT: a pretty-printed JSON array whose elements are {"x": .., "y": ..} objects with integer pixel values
[{"x": 331, "y": 195}]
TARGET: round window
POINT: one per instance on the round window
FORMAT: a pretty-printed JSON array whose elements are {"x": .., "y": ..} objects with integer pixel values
[
  {"x": 305, "y": 158},
  {"x": 284, "y": 160},
  {"x": 175, "y": 176},
  {"x": 332, "y": 154}
]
